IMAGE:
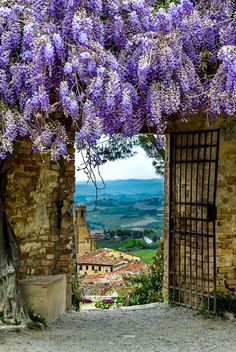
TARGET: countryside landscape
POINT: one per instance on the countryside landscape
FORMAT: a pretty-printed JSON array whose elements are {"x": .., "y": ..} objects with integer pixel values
[{"x": 127, "y": 211}]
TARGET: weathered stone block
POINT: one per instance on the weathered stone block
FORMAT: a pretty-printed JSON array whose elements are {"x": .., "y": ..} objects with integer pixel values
[{"x": 45, "y": 296}]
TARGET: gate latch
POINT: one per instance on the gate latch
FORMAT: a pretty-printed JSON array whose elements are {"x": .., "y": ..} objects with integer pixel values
[{"x": 211, "y": 212}]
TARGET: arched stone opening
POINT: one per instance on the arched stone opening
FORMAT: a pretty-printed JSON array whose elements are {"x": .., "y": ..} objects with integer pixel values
[{"x": 39, "y": 206}]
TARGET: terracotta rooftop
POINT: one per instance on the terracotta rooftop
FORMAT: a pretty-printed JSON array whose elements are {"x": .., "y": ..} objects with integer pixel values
[
  {"x": 115, "y": 278},
  {"x": 95, "y": 290},
  {"x": 99, "y": 257},
  {"x": 132, "y": 267}
]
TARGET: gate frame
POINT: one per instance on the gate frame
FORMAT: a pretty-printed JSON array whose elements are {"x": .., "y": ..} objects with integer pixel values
[{"x": 210, "y": 218}]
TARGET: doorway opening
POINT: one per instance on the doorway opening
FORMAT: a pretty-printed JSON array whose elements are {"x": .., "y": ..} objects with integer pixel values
[{"x": 127, "y": 225}]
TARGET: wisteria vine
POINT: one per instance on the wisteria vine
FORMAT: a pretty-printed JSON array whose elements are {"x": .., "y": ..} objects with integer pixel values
[{"x": 111, "y": 66}]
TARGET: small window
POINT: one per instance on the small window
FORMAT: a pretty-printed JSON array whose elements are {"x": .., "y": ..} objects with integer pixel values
[
  {"x": 99, "y": 268},
  {"x": 93, "y": 267},
  {"x": 82, "y": 213},
  {"x": 111, "y": 270},
  {"x": 86, "y": 267},
  {"x": 81, "y": 267}
]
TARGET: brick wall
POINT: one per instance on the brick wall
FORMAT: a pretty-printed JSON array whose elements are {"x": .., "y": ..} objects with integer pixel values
[{"x": 40, "y": 207}]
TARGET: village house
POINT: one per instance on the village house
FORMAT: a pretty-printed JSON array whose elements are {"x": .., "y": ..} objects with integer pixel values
[
  {"x": 107, "y": 286},
  {"x": 103, "y": 260},
  {"x": 90, "y": 261}
]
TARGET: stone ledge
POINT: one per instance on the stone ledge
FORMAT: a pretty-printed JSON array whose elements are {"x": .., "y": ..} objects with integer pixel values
[
  {"x": 12, "y": 328},
  {"x": 45, "y": 295},
  {"x": 44, "y": 281}
]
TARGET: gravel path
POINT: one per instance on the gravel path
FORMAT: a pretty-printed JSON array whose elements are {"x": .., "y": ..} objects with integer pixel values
[{"x": 147, "y": 329}]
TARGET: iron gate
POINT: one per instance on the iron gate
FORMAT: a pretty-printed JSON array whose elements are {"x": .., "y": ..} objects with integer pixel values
[{"x": 192, "y": 251}]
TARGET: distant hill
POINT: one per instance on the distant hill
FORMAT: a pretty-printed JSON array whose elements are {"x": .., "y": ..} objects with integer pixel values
[
  {"x": 129, "y": 203},
  {"x": 130, "y": 189}
]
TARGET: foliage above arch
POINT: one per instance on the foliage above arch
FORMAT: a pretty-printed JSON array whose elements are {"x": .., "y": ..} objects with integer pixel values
[{"x": 111, "y": 66}]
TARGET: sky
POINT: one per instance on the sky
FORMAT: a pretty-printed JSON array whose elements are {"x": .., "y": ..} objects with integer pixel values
[{"x": 137, "y": 167}]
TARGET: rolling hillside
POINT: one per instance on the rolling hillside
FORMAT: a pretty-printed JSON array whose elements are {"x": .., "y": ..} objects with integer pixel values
[{"x": 123, "y": 204}]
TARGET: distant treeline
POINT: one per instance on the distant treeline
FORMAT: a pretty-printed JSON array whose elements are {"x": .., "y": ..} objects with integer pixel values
[{"x": 125, "y": 234}]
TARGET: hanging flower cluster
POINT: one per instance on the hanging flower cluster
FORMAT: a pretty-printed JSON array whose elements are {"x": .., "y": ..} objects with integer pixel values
[{"x": 111, "y": 66}]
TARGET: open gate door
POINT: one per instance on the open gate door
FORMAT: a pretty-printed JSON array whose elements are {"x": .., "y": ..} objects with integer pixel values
[{"x": 193, "y": 183}]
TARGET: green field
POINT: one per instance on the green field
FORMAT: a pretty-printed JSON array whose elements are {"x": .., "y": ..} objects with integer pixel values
[{"x": 146, "y": 255}]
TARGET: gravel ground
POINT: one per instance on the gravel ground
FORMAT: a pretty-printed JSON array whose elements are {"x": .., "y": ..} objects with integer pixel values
[{"x": 155, "y": 328}]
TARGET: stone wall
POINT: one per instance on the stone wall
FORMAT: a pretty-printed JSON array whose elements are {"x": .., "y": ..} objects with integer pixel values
[
  {"x": 40, "y": 209},
  {"x": 226, "y": 204},
  {"x": 226, "y": 207}
]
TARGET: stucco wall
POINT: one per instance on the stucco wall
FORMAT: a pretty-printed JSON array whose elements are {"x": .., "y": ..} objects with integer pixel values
[{"x": 89, "y": 269}]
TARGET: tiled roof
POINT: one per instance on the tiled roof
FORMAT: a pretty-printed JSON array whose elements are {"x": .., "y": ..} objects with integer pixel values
[
  {"x": 95, "y": 290},
  {"x": 132, "y": 267},
  {"x": 115, "y": 278},
  {"x": 101, "y": 279},
  {"x": 106, "y": 256},
  {"x": 99, "y": 257}
]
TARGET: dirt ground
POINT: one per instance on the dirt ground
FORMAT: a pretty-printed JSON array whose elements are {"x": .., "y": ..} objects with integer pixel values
[{"x": 153, "y": 328}]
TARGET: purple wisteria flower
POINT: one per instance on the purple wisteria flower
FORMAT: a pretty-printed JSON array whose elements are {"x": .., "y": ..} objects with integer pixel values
[{"x": 111, "y": 66}]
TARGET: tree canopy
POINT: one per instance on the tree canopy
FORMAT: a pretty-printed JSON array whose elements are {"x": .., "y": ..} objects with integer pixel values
[{"x": 111, "y": 66}]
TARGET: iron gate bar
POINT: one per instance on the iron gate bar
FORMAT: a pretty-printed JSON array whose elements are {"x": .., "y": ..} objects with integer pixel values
[
  {"x": 196, "y": 226},
  {"x": 175, "y": 151},
  {"x": 196, "y": 132},
  {"x": 202, "y": 227},
  {"x": 193, "y": 203},
  {"x": 190, "y": 263},
  {"x": 185, "y": 235},
  {"x": 195, "y": 234},
  {"x": 208, "y": 199},
  {"x": 191, "y": 190},
  {"x": 197, "y": 161},
  {"x": 196, "y": 219},
  {"x": 180, "y": 192},
  {"x": 214, "y": 223},
  {"x": 196, "y": 146}
]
